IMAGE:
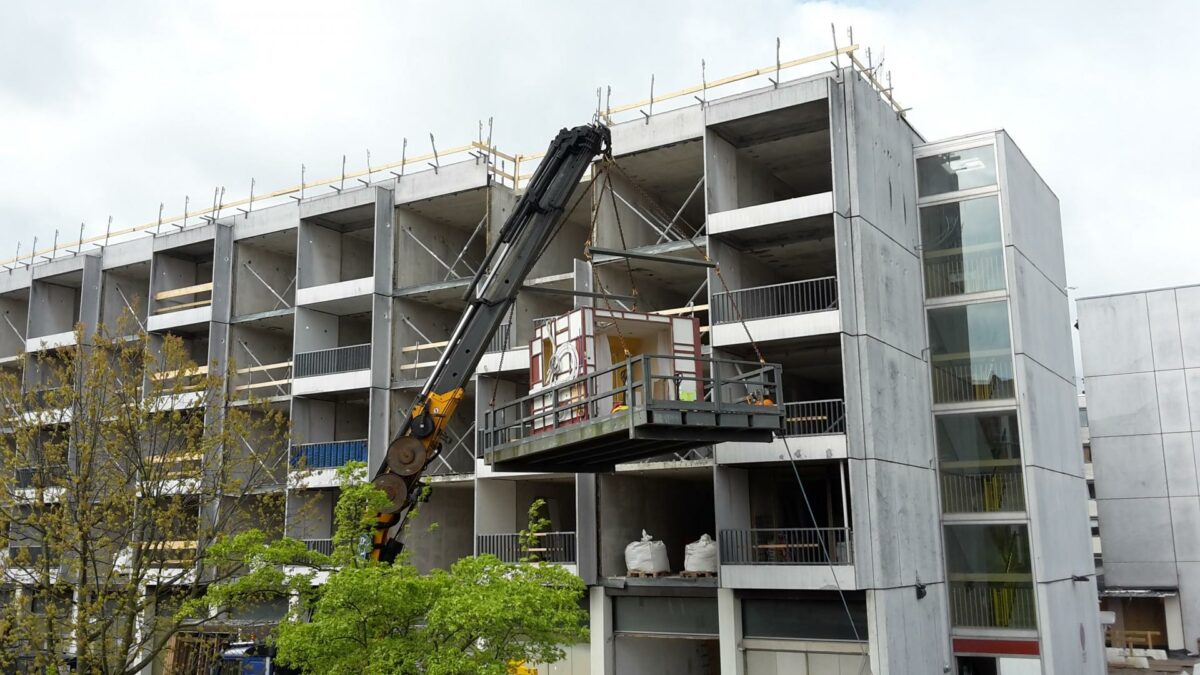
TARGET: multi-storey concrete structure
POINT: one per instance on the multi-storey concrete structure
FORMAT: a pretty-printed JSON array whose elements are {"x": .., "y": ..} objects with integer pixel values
[
  {"x": 912, "y": 291},
  {"x": 1140, "y": 362}
]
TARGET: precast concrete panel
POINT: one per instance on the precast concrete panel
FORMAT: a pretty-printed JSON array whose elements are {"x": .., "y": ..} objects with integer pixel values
[
  {"x": 333, "y": 202},
  {"x": 1187, "y": 304},
  {"x": 888, "y": 286},
  {"x": 1189, "y": 601},
  {"x": 766, "y": 99},
  {"x": 1129, "y": 466},
  {"x": 1041, "y": 317},
  {"x": 1185, "y": 521},
  {"x": 895, "y": 403},
  {"x": 277, "y": 218},
  {"x": 1166, "y": 345},
  {"x": 1172, "y": 396},
  {"x": 1049, "y": 413},
  {"x": 665, "y": 128},
  {"x": 1141, "y": 533},
  {"x": 1123, "y": 405},
  {"x": 909, "y": 635},
  {"x": 125, "y": 253},
  {"x": 1191, "y": 380},
  {"x": 1061, "y": 538},
  {"x": 1114, "y": 336},
  {"x": 466, "y": 175},
  {"x": 882, "y": 169},
  {"x": 1071, "y": 642},
  {"x": 186, "y": 237},
  {"x": 903, "y": 524},
  {"x": 385, "y": 236},
  {"x": 852, "y": 393},
  {"x": 1031, "y": 212},
  {"x": 222, "y": 273},
  {"x": 1140, "y": 574},
  {"x": 1183, "y": 468},
  {"x": 414, "y": 265}
]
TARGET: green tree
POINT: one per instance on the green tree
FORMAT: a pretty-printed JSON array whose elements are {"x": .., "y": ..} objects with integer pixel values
[
  {"x": 121, "y": 462},
  {"x": 480, "y": 616}
]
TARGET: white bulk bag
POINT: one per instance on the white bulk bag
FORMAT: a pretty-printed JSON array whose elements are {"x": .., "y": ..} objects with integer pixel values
[
  {"x": 647, "y": 556},
  {"x": 701, "y": 555}
]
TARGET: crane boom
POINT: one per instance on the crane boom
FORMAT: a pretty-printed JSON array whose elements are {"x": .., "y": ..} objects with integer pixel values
[{"x": 519, "y": 244}]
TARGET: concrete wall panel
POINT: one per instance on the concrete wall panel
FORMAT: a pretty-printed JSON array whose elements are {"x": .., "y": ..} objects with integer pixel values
[
  {"x": 1164, "y": 329},
  {"x": 1179, "y": 455},
  {"x": 1139, "y": 574},
  {"x": 1185, "y": 521},
  {"x": 1129, "y": 466},
  {"x": 882, "y": 168},
  {"x": 1145, "y": 527},
  {"x": 1120, "y": 405},
  {"x": 664, "y": 128},
  {"x": 1189, "y": 590},
  {"x": 1031, "y": 212},
  {"x": 1172, "y": 397},
  {"x": 888, "y": 290},
  {"x": 1049, "y": 414},
  {"x": 908, "y": 635},
  {"x": 1071, "y": 641},
  {"x": 1114, "y": 335},
  {"x": 1062, "y": 542},
  {"x": 1188, "y": 306},
  {"x": 1041, "y": 317}
]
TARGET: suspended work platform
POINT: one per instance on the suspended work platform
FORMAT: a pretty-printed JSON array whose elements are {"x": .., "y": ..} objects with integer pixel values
[{"x": 645, "y": 406}]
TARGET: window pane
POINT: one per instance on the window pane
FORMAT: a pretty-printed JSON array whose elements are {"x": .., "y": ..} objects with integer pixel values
[
  {"x": 959, "y": 170},
  {"x": 678, "y": 615},
  {"x": 962, "y": 248},
  {"x": 808, "y": 619},
  {"x": 971, "y": 353},
  {"x": 991, "y": 585},
  {"x": 979, "y": 459}
]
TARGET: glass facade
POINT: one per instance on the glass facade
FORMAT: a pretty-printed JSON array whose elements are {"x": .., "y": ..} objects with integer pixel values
[
  {"x": 962, "y": 247},
  {"x": 979, "y": 462},
  {"x": 971, "y": 353},
  {"x": 990, "y": 574},
  {"x": 957, "y": 170}
]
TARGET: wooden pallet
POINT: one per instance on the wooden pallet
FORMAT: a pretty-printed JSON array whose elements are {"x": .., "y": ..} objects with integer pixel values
[
  {"x": 638, "y": 574},
  {"x": 688, "y": 574}
]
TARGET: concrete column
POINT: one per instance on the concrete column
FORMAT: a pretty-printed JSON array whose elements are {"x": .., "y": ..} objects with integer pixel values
[
  {"x": 729, "y": 619},
  {"x": 89, "y": 297},
  {"x": 602, "y": 652},
  {"x": 586, "y": 532},
  {"x": 1173, "y": 612}
]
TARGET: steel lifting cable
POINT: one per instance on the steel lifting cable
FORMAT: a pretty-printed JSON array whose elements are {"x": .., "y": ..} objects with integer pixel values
[
  {"x": 654, "y": 205},
  {"x": 787, "y": 448},
  {"x": 612, "y": 194},
  {"x": 587, "y": 255}
]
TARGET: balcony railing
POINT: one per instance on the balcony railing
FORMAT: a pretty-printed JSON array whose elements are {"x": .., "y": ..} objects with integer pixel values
[
  {"x": 979, "y": 379},
  {"x": 336, "y": 360},
  {"x": 787, "y": 546},
  {"x": 970, "y": 272},
  {"x": 814, "y": 418},
  {"x": 984, "y": 492},
  {"x": 330, "y": 455},
  {"x": 992, "y": 605},
  {"x": 502, "y": 341},
  {"x": 551, "y": 547},
  {"x": 762, "y": 302},
  {"x": 323, "y": 546}
]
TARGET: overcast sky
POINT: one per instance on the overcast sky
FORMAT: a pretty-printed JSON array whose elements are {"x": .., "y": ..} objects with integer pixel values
[{"x": 110, "y": 110}]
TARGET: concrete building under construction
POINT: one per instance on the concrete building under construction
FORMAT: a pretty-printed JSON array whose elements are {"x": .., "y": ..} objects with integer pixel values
[{"x": 925, "y": 509}]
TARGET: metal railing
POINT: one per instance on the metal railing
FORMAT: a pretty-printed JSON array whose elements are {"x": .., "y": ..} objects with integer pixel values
[
  {"x": 814, "y": 418},
  {"x": 336, "y": 360},
  {"x": 982, "y": 492},
  {"x": 329, "y": 455},
  {"x": 323, "y": 546},
  {"x": 787, "y": 546},
  {"x": 982, "y": 379},
  {"x": 761, "y": 302},
  {"x": 969, "y": 273},
  {"x": 992, "y": 605},
  {"x": 38, "y": 476},
  {"x": 502, "y": 341},
  {"x": 551, "y": 547},
  {"x": 594, "y": 396}
]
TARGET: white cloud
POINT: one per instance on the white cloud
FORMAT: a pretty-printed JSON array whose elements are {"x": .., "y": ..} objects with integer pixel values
[{"x": 109, "y": 109}]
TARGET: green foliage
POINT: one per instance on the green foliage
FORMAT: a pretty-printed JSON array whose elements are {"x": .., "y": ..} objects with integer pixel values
[
  {"x": 476, "y": 618},
  {"x": 374, "y": 618},
  {"x": 538, "y": 523}
]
